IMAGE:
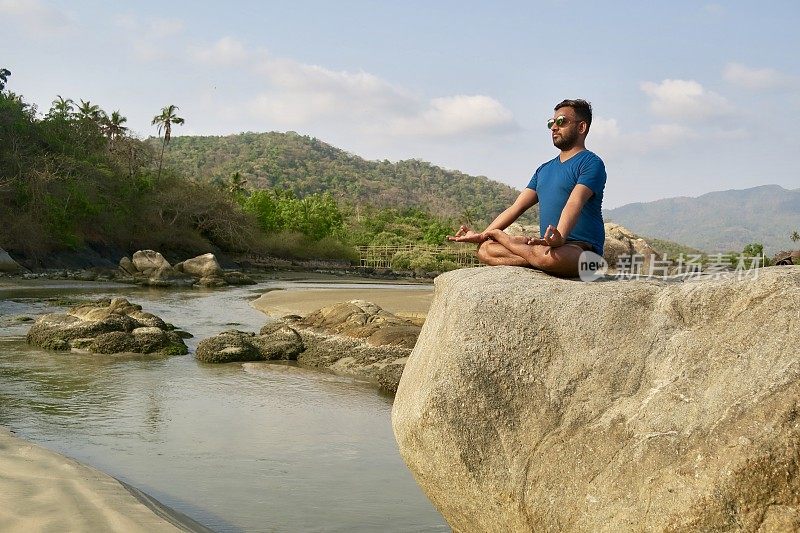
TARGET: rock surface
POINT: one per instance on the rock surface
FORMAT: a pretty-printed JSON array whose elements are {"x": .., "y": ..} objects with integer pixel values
[
  {"x": 107, "y": 326},
  {"x": 149, "y": 267},
  {"x": 355, "y": 338},
  {"x": 536, "y": 404},
  {"x": 358, "y": 338},
  {"x": 202, "y": 266},
  {"x": 7, "y": 263},
  {"x": 274, "y": 342},
  {"x": 621, "y": 241},
  {"x": 360, "y": 319},
  {"x": 147, "y": 261},
  {"x": 792, "y": 257}
]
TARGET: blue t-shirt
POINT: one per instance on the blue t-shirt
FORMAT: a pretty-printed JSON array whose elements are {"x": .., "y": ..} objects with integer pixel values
[{"x": 554, "y": 182}]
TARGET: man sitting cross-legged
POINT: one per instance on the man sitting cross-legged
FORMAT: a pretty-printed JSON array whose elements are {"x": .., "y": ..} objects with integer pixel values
[{"x": 569, "y": 190}]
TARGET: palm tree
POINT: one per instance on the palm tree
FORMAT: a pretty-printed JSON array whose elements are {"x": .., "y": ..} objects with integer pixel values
[
  {"x": 87, "y": 111},
  {"x": 795, "y": 236},
  {"x": 61, "y": 107},
  {"x": 113, "y": 125},
  {"x": 4, "y": 74},
  {"x": 467, "y": 215},
  {"x": 237, "y": 183},
  {"x": 165, "y": 121}
]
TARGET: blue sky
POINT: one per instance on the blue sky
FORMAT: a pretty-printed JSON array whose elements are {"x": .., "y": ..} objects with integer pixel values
[{"x": 689, "y": 97}]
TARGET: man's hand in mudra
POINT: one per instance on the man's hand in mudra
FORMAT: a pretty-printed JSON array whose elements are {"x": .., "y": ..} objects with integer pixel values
[
  {"x": 464, "y": 234},
  {"x": 552, "y": 238}
]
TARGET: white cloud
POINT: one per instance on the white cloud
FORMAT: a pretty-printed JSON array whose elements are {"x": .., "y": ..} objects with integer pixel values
[
  {"x": 150, "y": 40},
  {"x": 225, "y": 52},
  {"x": 682, "y": 99},
  {"x": 714, "y": 9},
  {"x": 161, "y": 28},
  {"x": 754, "y": 78},
  {"x": 604, "y": 128},
  {"x": 666, "y": 137},
  {"x": 457, "y": 115},
  {"x": 287, "y": 74},
  {"x": 300, "y": 94},
  {"x": 36, "y": 18}
]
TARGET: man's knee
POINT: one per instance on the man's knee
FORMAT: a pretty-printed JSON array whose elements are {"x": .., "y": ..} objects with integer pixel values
[
  {"x": 562, "y": 262},
  {"x": 483, "y": 252}
]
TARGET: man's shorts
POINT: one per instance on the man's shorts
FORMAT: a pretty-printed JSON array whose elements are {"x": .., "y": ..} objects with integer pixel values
[{"x": 583, "y": 245}]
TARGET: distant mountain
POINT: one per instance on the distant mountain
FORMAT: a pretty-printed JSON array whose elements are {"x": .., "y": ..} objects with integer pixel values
[
  {"x": 307, "y": 165},
  {"x": 718, "y": 221}
]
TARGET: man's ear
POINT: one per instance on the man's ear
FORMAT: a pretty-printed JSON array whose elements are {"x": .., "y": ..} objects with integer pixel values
[{"x": 583, "y": 127}]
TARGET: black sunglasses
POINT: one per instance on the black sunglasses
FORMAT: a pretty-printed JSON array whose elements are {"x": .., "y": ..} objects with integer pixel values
[{"x": 559, "y": 121}]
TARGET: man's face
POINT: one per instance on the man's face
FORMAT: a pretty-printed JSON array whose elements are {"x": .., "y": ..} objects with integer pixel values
[{"x": 565, "y": 136}]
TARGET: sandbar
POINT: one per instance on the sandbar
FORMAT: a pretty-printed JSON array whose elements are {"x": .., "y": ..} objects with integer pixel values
[
  {"x": 41, "y": 490},
  {"x": 412, "y": 302}
]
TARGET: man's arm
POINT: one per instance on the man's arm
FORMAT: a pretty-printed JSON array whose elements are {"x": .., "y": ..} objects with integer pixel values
[
  {"x": 526, "y": 199},
  {"x": 569, "y": 217}
]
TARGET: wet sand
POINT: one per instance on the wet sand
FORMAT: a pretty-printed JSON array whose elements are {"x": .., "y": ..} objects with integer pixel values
[
  {"x": 41, "y": 490},
  {"x": 412, "y": 302}
]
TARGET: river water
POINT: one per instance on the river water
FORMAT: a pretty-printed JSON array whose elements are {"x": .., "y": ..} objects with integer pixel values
[{"x": 235, "y": 447}]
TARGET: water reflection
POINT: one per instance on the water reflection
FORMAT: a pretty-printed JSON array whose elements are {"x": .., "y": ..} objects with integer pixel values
[{"x": 255, "y": 447}]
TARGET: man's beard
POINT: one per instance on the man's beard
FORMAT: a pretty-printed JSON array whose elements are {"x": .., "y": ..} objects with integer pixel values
[{"x": 566, "y": 141}]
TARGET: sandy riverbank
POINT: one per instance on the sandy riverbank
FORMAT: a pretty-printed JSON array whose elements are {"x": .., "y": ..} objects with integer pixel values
[
  {"x": 41, "y": 490},
  {"x": 412, "y": 302}
]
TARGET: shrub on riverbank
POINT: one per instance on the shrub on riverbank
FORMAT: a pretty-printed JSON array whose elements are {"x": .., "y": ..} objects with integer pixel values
[
  {"x": 292, "y": 245},
  {"x": 421, "y": 259}
]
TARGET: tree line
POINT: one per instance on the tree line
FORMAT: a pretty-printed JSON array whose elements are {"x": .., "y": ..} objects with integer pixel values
[{"x": 74, "y": 176}]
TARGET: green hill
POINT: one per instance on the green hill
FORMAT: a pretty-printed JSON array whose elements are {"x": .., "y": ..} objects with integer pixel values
[
  {"x": 718, "y": 221},
  {"x": 306, "y": 165}
]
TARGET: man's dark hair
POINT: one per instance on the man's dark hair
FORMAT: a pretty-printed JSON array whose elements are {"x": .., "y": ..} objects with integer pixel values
[{"x": 582, "y": 108}]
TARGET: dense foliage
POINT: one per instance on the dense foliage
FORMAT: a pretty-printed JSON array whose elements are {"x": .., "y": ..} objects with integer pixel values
[
  {"x": 306, "y": 165},
  {"x": 387, "y": 226},
  {"x": 72, "y": 178},
  {"x": 315, "y": 216}
]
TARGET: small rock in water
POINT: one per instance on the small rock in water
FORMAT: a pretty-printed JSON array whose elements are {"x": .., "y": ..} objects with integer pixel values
[
  {"x": 106, "y": 326},
  {"x": 272, "y": 343}
]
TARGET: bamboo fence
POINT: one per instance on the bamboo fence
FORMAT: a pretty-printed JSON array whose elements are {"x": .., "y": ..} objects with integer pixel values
[{"x": 381, "y": 256}]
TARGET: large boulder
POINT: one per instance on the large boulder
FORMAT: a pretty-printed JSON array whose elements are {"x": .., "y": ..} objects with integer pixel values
[
  {"x": 150, "y": 268},
  {"x": 127, "y": 266},
  {"x": 147, "y": 261},
  {"x": 202, "y": 266},
  {"x": 7, "y": 263},
  {"x": 107, "y": 326},
  {"x": 783, "y": 257},
  {"x": 536, "y": 404},
  {"x": 167, "y": 277},
  {"x": 621, "y": 242}
]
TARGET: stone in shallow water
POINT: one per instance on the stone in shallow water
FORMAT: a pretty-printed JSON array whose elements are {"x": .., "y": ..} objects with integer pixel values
[
  {"x": 274, "y": 342},
  {"x": 106, "y": 326}
]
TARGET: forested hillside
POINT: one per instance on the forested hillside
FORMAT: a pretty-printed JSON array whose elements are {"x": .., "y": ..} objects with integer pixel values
[
  {"x": 306, "y": 165},
  {"x": 74, "y": 180}
]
